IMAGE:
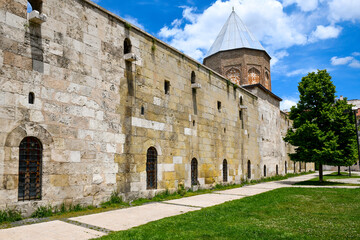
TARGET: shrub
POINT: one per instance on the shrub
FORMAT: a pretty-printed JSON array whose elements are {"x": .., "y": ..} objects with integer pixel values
[
  {"x": 181, "y": 189},
  {"x": 114, "y": 198},
  {"x": 76, "y": 208},
  {"x": 43, "y": 211},
  {"x": 10, "y": 215},
  {"x": 63, "y": 208},
  {"x": 127, "y": 25}
]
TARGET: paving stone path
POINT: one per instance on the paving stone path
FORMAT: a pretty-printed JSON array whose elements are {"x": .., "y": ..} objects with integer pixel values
[{"x": 100, "y": 224}]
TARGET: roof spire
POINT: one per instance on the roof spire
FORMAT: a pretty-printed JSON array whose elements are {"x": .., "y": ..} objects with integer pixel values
[{"x": 234, "y": 35}]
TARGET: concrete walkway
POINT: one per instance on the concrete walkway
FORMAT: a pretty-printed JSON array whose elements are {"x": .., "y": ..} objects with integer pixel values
[{"x": 83, "y": 227}]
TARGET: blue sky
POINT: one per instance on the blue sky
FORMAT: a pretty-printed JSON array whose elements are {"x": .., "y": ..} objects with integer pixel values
[{"x": 300, "y": 35}]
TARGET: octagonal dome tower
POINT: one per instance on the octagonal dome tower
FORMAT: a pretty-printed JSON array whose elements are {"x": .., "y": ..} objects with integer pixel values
[{"x": 239, "y": 56}]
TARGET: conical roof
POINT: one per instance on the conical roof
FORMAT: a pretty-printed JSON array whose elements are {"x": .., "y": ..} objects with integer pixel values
[{"x": 233, "y": 35}]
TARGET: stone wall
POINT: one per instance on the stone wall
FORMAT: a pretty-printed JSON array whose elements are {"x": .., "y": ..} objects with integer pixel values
[
  {"x": 97, "y": 114},
  {"x": 272, "y": 130},
  {"x": 73, "y": 64},
  {"x": 179, "y": 133}
]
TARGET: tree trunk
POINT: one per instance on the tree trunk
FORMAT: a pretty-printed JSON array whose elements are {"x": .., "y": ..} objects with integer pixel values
[
  {"x": 321, "y": 173},
  {"x": 339, "y": 173},
  {"x": 349, "y": 171}
]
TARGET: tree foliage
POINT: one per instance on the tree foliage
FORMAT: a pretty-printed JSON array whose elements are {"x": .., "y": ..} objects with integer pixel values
[{"x": 323, "y": 130}]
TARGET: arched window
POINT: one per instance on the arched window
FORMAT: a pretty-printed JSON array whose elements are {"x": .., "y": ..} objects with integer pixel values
[
  {"x": 35, "y": 5},
  {"x": 225, "y": 171},
  {"x": 194, "y": 172},
  {"x": 30, "y": 169},
  {"x": 277, "y": 169},
  {"x": 264, "y": 170},
  {"x": 151, "y": 168},
  {"x": 285, "y": 167},
  {"x": 241, "y": 100},
  {"x": 234, "y": 75},
  {"x": 253, "y": 76},
  {"x": 31, "y": 98},
  {"x": 193, "y": 77},
  {"x": 249, "y": 169},
  {"x": 127, "y": 46}
]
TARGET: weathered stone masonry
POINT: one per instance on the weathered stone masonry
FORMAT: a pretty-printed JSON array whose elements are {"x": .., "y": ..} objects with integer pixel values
[{"x": 97, "y": 111}]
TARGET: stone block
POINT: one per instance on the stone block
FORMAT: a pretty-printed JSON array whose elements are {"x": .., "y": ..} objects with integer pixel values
[
  {"x": 7, "y": 113},
  {"x": 92, "y": 41},
  {"x": 36, "y": 116},
  {"x": 75, "y": 156},
  {"x": 17, "y": 61},
  {"x": 169, "y": 176},
  {"x": 75, "y": 145},
  {"x": 10, "y": 182},
  {"x": 111, "y": 148},
  {"x": 86, "y": 134},
  {"x": 110, "y": 178},
  {"x": 168, "y": 167},
  {"x": 177, "y": 160},
  {"x": 59, "y": 180},
  {"x": 15, "y": 21},
  {"x": 79, "y": 179},
  {"x": 2, "y": 16},
  {"x": 97, "y": 179}
]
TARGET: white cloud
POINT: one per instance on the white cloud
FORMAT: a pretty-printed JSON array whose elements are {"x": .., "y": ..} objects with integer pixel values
[
  {"x": 134, "y": 21},
  {"x": 355, "y": 64},
  {"x": 350, "y": 61},
  {"x": 277, "y": 56},
  {"x": 323, "y": 33},
  {"x": 347, "y": 10},
  {"x": 301, "y": 71},
  {"x": 341, "y": 61},
  {"x": 264, "y": 18},
  {"x": 282, "y": 54},
  {"x": 304, "y": 5},
  {"x": 356, "y": 54},
  {"x": 287, "y": 103}
]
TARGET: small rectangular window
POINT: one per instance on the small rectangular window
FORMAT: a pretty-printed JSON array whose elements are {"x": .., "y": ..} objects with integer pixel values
[
  {"x": 142, "y": 110},
  {"x": 240, "y": 115},
  {"x": 167, "y": 87},
  {"x": 31, "y": 98},
  {"x": 219, "y": 106}
]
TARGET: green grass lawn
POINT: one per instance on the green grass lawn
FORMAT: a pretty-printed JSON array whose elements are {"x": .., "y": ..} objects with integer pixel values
[
  {"x": 287, "y": 213},
  {"x": 342, "y": 175},
  {"x": 315, "y": 181}
]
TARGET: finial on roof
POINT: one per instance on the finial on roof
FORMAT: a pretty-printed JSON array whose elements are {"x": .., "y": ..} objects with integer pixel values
[{"x": 233, "y": 9}]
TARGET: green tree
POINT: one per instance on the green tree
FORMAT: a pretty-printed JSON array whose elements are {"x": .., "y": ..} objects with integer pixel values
[
  {"x": 322, "y": 132},
  {"x": 344, "y": 128}
]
